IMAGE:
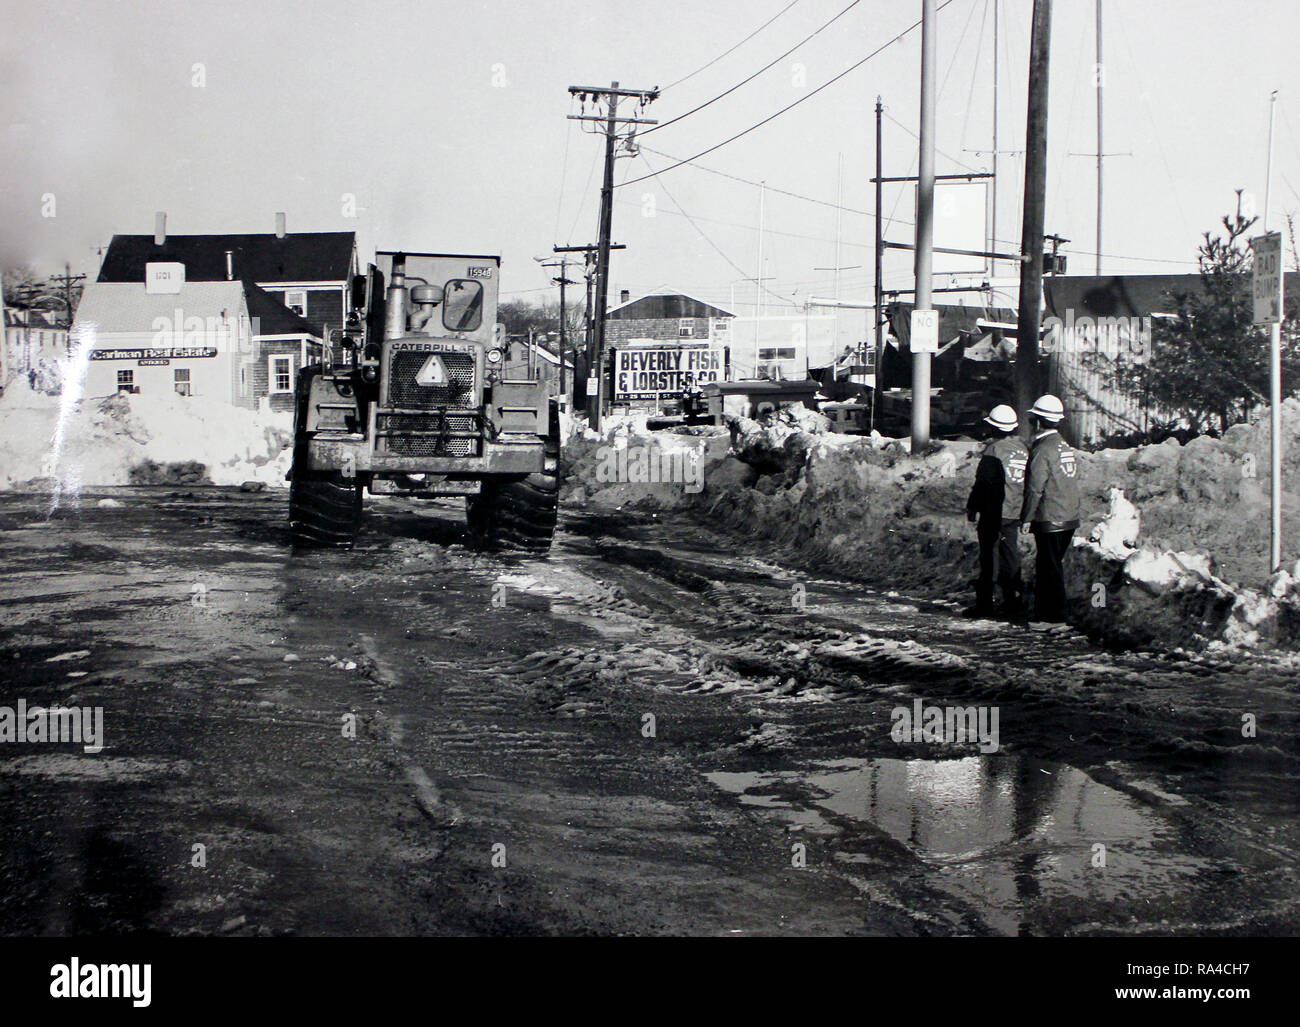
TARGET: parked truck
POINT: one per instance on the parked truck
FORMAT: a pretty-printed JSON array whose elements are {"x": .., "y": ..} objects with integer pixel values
[{"x": 416, "y": 401}]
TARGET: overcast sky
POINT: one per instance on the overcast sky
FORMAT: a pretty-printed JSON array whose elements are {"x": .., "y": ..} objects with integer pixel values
[{"x": 446, "y": 121}]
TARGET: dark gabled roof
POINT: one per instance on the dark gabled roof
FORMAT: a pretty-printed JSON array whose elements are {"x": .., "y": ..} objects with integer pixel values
[
  {"x": 1127, "y": 295},
  {"x": 297, "y": 257},
  {"x": 271, "y": 317},
  {"x": 1117, "y": 295},
  {"x": 665, "y": 305}
]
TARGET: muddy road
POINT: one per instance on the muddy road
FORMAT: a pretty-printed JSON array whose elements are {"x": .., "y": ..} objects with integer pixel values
[{"x": 651, "y": 732}]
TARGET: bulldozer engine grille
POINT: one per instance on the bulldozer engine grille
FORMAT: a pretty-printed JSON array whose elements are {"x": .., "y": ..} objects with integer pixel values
[
  {"x": 433, "y": 434},
  {"x": 405, "y": 391}
]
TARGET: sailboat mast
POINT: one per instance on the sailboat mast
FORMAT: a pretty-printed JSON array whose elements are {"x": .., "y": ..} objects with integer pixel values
[{"x": 1099, "y": 79}]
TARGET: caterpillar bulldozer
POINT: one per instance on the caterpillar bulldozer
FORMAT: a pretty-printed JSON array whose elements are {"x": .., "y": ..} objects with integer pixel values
[{"x": 419, "y": 404}]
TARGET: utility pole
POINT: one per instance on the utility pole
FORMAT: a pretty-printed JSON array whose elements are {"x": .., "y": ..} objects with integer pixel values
[
  {"x": 564, "y": 323},
  {"x": 758, "y": 275},
  {"x": 1099, "y": 83},
  {"x": 1029, "y": 321},
  {"x": 589, "y": 252},
  {"x": 923, "y": 258},
  {"x": 67, "y": 280},
  {"x": 993, "y": 214},
  {"x": 564, "y": 280},
  {"x": 1274, "y": 377},
  {"x": 1099, "y": 80},
  {"x": 611, "y": 120},
  {"x": 879, "y": 315}
]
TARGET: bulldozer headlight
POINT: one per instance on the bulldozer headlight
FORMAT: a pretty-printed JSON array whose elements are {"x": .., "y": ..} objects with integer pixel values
[
  {"x": 494, "y": 356},
  {"x": 370, "y": 372}
]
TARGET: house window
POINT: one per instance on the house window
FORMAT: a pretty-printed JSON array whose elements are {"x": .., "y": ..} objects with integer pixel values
[
  {"x": 181, "y": 381},
  {"x": 296, "y": 300},
  {"x": 776, "y": 353},
  {"x": 125, "y": 381},
  {"x": 280, "y": 376},
  {"x": 685, "y": 328}
]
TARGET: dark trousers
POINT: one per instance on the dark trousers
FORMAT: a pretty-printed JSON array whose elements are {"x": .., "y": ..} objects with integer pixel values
[
  {"x": 999, "y": 560},
  {"x": 1049, "y": 566}
]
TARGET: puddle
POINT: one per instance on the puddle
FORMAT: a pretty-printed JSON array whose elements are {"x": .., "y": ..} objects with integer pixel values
[{"x": 1011, "y": 837}]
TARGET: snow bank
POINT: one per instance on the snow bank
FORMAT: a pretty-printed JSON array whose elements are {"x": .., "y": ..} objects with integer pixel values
[
  {"x": 56, "y": 442},
  {"x": 1177, "y": 557},
  {"x": 627, "y": 466}
]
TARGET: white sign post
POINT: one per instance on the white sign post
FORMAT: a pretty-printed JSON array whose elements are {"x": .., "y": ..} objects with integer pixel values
[
  {"x": 1267, "y": 275},
  {"x": 1267, "y": 289},
  {"x": 925, "y": 331}
]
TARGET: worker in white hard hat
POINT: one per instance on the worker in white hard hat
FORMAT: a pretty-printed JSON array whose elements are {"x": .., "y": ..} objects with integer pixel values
[
  {"x": 1051, "y": 506},
  {"x": 994, "y": 506}
]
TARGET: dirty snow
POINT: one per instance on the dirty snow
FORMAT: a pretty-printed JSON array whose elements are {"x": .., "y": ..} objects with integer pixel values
[
  {"x": 1180, "y": 539},
  {"x": 67, "y": 444}
]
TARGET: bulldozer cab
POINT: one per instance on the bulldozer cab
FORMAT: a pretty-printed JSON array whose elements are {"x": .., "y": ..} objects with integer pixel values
[{"x": 452, "y": 295}]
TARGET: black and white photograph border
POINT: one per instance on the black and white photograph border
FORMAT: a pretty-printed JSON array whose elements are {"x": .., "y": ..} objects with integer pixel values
[{"x": 799, "y": 469}]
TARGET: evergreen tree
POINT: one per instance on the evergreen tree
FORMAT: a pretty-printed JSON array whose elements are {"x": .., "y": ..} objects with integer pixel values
[{"x": 1209, "y": 365}]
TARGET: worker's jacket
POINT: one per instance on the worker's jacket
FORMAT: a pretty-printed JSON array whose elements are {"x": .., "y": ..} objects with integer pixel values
[
  {"x": 1052, "y": 485},
  {"x": 999, "y": 487}
]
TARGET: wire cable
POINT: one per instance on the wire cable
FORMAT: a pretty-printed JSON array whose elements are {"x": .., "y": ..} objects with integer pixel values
[
  {"x": 769, "y": 188},
  {"x": 591, "y": 172},
  {"x": 704, "y": 235},
  {"x": 732, "y": 50},
  {"x": 791, "y": 106},
  {"x": 746, "y": 81},
  {"x": 961, "y": 164},
  {"x": 564, "y": 175}
]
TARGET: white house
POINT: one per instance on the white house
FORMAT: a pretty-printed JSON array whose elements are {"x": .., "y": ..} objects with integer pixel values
[{"x": 229, "y": 341}]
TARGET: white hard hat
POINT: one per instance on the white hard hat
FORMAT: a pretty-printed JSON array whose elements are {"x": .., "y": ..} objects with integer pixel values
[
  {"x": 1003, "y": 418},
  {"x": 1048, "y": 407}
]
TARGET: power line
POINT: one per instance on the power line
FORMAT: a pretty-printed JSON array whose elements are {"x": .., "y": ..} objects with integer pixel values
[
  {"x": 765, "y": 67},
  {"x": 751, "y": 228},
  {"x": 717, "y": 249},
  {"x": 585, "y": 188},
  {"x": 961, "y": 164},
  {"x": 974, "y": 73},
  {"x": 733, "y": 49},
  {"x": 1155, "y": 130},
  {"x": 564, "y": 175},
  {"x": 791, "y": 106},
  {"x": 770, "y": 189}
]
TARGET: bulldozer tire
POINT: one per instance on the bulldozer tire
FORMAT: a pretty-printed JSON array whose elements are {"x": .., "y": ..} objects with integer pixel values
[
  {"x": 520, "y": 514},
  {"x": 324, "y": 511}
]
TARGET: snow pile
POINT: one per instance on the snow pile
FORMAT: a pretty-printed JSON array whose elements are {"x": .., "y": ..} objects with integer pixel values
[
  {"x": 1117, "y": 534},
  {"x": 1178, "y": 556},
  {"x": 626, "y": 465},
  {"x": 60, "y": 443}
]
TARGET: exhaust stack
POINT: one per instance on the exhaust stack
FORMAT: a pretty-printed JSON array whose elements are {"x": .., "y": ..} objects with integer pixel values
[
  {"x": 395, "y": 305},
  {"x": 160, "y": 228}
]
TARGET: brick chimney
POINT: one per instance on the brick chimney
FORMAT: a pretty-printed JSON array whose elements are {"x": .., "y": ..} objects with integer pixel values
[
  {"x": 624, "y": 296},
  {"x": 279, "y": 224},
  {"x": 160, "y": 228}
]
